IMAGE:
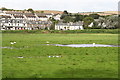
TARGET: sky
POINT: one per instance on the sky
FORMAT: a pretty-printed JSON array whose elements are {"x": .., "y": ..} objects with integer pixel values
[{"x": 61, "y": 5}]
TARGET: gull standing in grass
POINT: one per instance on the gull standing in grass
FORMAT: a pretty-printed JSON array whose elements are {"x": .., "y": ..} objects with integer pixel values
[
  {"x": 14, "y": 42},
  {"x": 49, "y": 56},
  {"x": 11, "y": 42},
  {"x": 93, "y": 44},
  {"x": 47, "y": 42}
]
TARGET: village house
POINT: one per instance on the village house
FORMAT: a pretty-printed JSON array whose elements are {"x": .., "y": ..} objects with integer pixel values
[
  {"x": 12, "y": 24},
  {"x": 49, "y": 15},
  {"x": 57, "y": 16},
  {"x": 21, "y": 21},
  {"x": 69, "y": 26},
  {"x": 30, "y": 16},
  {"x": 41, "y": 17}
]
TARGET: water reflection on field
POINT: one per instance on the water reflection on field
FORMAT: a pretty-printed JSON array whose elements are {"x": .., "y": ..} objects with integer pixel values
[{"x": 84, "y": 45}]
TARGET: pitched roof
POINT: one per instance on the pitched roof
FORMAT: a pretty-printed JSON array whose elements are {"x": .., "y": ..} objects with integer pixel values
[
  {"x": 18, "y": 16},
  {"x": 13, "y": 12},
  {"x": 29, "y": 15},
  {"x": 4, "y": 16}
]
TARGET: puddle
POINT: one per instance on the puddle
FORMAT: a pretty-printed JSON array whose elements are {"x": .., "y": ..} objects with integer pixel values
[
  {"x": 9, "y": 48},
  {"x": 85, "y": 45}
]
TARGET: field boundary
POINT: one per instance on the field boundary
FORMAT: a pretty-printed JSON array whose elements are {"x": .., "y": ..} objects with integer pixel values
[{"x": 87, "y": 31}]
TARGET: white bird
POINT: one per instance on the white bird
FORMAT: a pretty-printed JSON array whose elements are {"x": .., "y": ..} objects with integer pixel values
[
  {"x": 93, "y": 44},
  {"x": 14, "y": 42},
  {"x": 20, "y": 57},
  {"x": 49, "y": 56},
  {"x": 47, "y": 42},
  {"x": 11, "y": 43},
  {"x": 57, "y": 56}
]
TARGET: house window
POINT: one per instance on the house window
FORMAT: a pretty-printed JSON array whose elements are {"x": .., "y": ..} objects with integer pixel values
[{"x": 64, "y": 27}]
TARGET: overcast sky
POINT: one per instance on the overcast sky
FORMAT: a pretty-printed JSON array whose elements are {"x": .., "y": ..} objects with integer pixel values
[{"x": 61, "y": 5}]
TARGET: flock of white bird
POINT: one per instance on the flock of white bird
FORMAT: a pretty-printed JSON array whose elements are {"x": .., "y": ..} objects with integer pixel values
[
  {"x": 20, "y": 57},
  {"x": 54, "y": 56},
  {"x": 48, "y": 56},
  {"x": 12, "y": 42}
]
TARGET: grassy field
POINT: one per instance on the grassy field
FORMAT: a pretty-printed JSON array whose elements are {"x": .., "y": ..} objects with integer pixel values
[{"x": 94, "y": 62}]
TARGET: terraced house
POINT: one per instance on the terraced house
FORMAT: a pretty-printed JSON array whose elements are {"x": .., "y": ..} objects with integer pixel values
[
  {"x": 69, "y": 26},
  {"x": 11, "y": 20}
]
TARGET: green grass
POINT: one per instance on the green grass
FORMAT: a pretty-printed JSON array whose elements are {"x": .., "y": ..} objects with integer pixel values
[{"x": 95, "y": 62}]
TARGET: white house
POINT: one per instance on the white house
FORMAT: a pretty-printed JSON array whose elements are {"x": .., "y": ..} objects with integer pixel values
[
  {"x": 69, "y": 26},
  {"x": 57, "y": 16},
  {"x": 49, "y": 15},
  {"x": 41, "y": 16},
  {"x": 11, "y": 20},
  {"x": 91, "y": 25},
  {"x": 29, "y": 16}
]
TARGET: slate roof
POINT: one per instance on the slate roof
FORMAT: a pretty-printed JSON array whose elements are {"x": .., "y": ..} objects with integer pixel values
[
  {"x": 18, "y": 16},
  {"x": 13, "y": 12},
  {"x": 30, "y": 15},
  {"x": 4, "y": 16},
  {"x": 41, "y": 15}
]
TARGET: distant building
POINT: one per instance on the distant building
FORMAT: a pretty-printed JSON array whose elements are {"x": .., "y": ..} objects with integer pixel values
[
  {"x": 30, "y": 16},
  {"x": 42, "y": 17},
  {"x": 57, "y": 16},
  {"x": 69, "y": 26},
  {"x": 91, "y": 25},
  {"x": 11, "y": 20}
]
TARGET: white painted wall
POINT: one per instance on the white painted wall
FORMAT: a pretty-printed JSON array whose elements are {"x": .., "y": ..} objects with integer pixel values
[
  {"x": 57, "y": 17},
  {"x": 63, "y": 27},
  {"x": 43, "y": 18}
]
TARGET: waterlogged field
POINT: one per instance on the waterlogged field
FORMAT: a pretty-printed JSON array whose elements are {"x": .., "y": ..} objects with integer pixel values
[{"x": 29, "y": 59}]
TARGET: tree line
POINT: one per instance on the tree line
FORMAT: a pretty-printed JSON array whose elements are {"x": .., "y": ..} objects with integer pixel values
[{"x": 99, "y": 22}]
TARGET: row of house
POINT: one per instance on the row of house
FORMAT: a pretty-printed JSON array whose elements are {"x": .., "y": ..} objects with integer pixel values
[
  {"x": 18, "y": 24},
  {"x": 11, "y": 20},
  {"x": 31, "y": 16},
  {"x": 69, "y": 26}
]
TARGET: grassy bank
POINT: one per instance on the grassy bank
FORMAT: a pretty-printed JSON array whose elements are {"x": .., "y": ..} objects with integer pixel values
[
  {"x": 94, "y": 62},
  {"x": 113, "y": 31}
]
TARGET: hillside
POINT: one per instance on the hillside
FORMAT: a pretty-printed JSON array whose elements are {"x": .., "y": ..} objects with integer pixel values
[
  {"x": 50, "y": 11},
  {"x": 111, "y": 12}
]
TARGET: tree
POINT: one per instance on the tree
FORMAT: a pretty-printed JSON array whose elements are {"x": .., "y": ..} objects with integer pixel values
[
  {"x": 95, "y": 16},
  {"x": 87, "y": 21},
  {"x": 31, "y": 10},
  {"x": 42, "y": 12},
  {"x": 110, "y": 22},
  {"x": 78, "y": 17},
  {"x": 68, "y": 19},
  {"x": 65, "y": 12},
  {"x": 4, "y": 9},
  {"x": 52, "y": 27}
]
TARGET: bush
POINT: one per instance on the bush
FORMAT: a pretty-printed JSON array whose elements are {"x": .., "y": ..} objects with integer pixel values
[{"x": 113, "y": 31}]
